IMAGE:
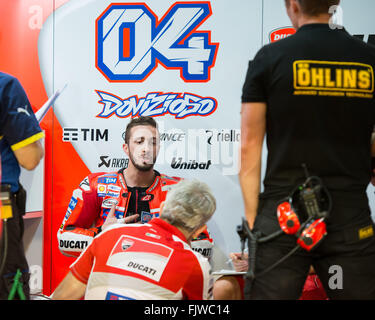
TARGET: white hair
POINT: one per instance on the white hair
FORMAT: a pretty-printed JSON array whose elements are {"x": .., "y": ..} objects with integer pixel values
[{"x": 189, "y": 205}]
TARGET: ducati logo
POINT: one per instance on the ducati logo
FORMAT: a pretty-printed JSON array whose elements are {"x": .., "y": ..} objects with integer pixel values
[{"x": 126, "y": 244}]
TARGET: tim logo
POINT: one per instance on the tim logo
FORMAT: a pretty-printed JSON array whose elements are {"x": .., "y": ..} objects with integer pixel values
[{"x": 131, "y": 41}]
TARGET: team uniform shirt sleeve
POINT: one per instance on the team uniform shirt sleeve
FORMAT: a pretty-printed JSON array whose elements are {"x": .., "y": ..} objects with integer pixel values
[
  {"x": 199, "y": 285},
  {"x": 255, "y": 86},
  {"x": 75, "y": 232},
  {"x": 203, "y": 244},
  {"x": 19, "y": 126},
  {"x": 81, "y": 268}
]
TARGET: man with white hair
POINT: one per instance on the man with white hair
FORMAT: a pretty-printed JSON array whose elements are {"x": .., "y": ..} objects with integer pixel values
[{"x": 148, "y": 261}]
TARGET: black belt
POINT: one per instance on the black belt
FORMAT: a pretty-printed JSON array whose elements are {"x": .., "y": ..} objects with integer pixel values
[
  {"x": 16, "y": 198},
  {"x": 353, "y": 233},
  {"x": 5, "y": 194}
]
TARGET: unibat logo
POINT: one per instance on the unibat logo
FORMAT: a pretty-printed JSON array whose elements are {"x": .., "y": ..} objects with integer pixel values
[{"x": 130, "y": 41}]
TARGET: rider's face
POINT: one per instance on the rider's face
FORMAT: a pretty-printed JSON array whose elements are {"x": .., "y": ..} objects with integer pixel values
[{"x": 143, "y": 147}]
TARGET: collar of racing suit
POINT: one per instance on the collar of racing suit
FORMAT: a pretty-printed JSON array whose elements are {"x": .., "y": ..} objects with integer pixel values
[
  {"x": 149, "y": 189},
  {"x": 169, "y": 228}
]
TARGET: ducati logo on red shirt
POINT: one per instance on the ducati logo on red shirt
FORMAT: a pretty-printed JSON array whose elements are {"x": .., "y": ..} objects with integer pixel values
[
  {"x": 141, "y": 246},
  {"x": 281, "y": 33},
  {"x": 138, "y": 256},
  {"x": 126, "y": 244}
]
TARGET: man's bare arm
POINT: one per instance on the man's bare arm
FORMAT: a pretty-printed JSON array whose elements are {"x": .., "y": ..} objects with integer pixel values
[
  {"x": 253, "y": 128},
  {"x": 30, "y": 155},
  {"x": 69, "y": 289}
]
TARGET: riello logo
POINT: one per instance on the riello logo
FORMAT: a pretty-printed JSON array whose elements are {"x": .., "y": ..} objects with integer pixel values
[
  {"x": 131, "y": 41},
  {"x": 281, "y": 33}
]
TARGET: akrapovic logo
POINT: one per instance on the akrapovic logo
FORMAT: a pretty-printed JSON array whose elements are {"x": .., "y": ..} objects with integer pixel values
[
  {"x": 281, "y": 33},
  {"x": 131, "y": 40},
  {"x": 108, "y": 162}
]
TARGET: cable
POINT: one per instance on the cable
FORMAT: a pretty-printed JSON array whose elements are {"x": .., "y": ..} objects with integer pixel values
[
  {"x": 279, "y": 261},
  {"x": 252, "y": 243},
  {"x": 17, "y": 287},
  {"x": 271, "y": 236}
]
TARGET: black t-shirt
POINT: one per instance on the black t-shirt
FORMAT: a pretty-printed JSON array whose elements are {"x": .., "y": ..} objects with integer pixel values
[
  {"x": 319, "y": 89},
  {"x": 137, "y": 204},
  {"x": 139, "y": 201}
]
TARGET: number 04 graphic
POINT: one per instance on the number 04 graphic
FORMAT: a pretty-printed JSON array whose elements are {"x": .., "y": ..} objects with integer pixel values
[{"x": 130, "y": 41}]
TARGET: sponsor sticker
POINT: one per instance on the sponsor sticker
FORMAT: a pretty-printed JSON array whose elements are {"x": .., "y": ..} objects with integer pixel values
[
  {"x": 143, "y": 257},
  {"x": 113, "y": 194},
  {"x": 147, "y": 197},
  {"x": 145, "y": 216},
  {"x": 340, "y": 79},
  {"x": 281, "y": 33},
  {"x": 190, "y": 165},
  {"x": 102, "y": 190},
  {"x": 126, "y": 244},
  {"x": 72, "y": 203},
  {"x": 114, "y": 188},
  {"x": 366, "y": 232},
  {"x": 85, "y": 185},
  {"x": 73, "y": 244},
  {"x": 107, "y": 180},
  {"x": 108, "y": 202}
]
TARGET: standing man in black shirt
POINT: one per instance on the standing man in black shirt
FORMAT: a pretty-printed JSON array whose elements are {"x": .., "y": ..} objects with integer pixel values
[{"x": 312, "y": 95}]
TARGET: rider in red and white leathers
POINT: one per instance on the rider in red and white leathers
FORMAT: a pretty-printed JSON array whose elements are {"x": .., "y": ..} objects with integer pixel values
[{"x": 92, "y": 201}]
